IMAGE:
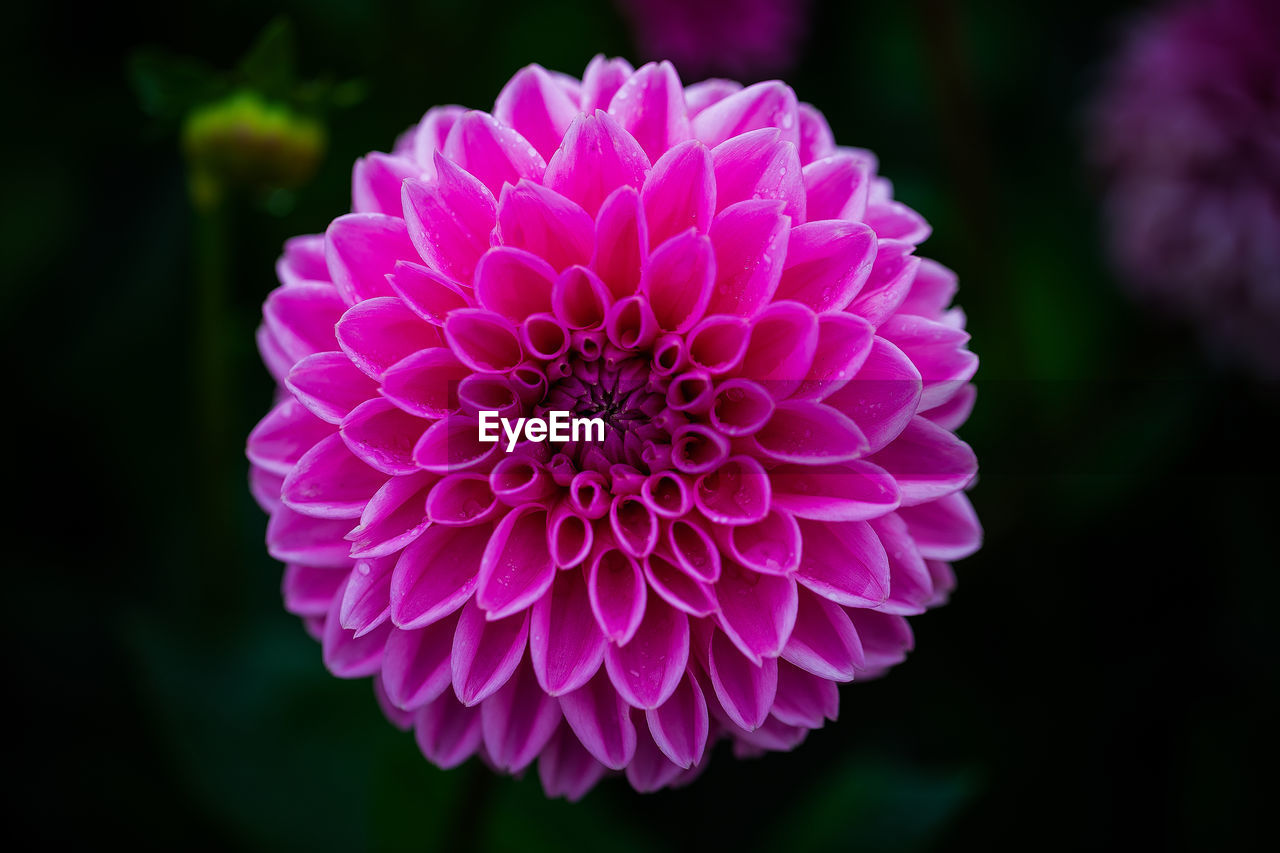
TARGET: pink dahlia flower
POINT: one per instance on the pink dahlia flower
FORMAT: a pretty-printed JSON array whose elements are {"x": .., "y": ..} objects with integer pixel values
[
  {"x": 739, "y": 301},
  {"x": 736, "y": 37},
  {"x": 1188, "y": 133}
]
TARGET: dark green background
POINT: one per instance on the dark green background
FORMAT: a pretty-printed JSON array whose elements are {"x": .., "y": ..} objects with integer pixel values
[{"x": 1101, "y": 678}]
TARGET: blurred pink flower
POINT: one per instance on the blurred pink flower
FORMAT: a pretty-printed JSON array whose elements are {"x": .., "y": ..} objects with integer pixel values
[
  {"x": 1188, "y": 135},
  {"x": 780, "y": 485},
  {"x": 737, "y": 38}
]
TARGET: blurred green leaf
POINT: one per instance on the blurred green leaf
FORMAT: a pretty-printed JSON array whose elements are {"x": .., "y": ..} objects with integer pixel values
[
  {"x": 168, "y": 86},
  {"x": 877, "y": 804},
  {"x": 270, "y": 65}
]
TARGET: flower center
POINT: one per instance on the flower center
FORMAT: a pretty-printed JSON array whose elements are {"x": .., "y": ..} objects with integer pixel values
[{"x": 619, "y": 388}]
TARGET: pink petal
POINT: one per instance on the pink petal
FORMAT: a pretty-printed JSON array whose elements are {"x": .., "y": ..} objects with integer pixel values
[
  {"x": 452, "y": 444},
  {"x": 361, "y": 248},
  {"x": 824, "y": 641},
  {"x": 514, "y": 283},
  {"x": 810, "y": 434},
  {"x": 379, "y": 332},
  {"x": 566, "y": 768},
  {"x": 893, "y": 220},
  {"x": 533, "y": 217},
  {"x": 910, "y": 584},
  {"x": 296, "y": 538},
  {"x": 349, "y": 656},
  {"x": 579, "y": 299},
  {"x": 677, "y": 280},
  {"x": 602, "y": 721},
  {"x": 680, "y": 725},
  {"x": 741, "y": 407},
  {"x": 649, "y": 769},
  {"x": 376, "y": 180},
  {"x": 679, "y": 589},
  {"x": 366, "y": 601},
  {"x": 631, "y": 324},
  {"x": 383, "y": 436},
  {"x": 633, "y": 524},
  {"x": 650, "y": 105},
  {"x": 804, "y": 699},
  {"x": 680, "y": 192},
  {"x": 569, "y": 536},
  {"x": 288, "y": 431},
  {"x": 309, "y": 591},
  {"x": 329, "y": 481},
  {"x": 765, "y": 105},
  {"x": 449, "y": 219},
  {"x": 784, "y": 338},
  {"x": 750, "y": 240},
  {"x": 461, "y": 500},
  {"x": 666, "y": 494},
  {"x": 425, "y": 383},
  {"x": 745, "y": 689},
  {"x": 516, "y": 568},
  {"x": 759, "y": 165},
  {"x": 393, "y": 517},
  {"x": 415, "y": 665},
  {"x": 596, "y": 158},
  {"x": 436, "y": 574},
  {"x": 945, "y": 529},
  {"x": 621, "y": 242},
  {"x": 931, "y": 292},
  {"x": 883, "y": 396},
  {"x": 844, "y": 343},
  {"x": 718, "y": 343},
  {"x": 602, "y": 79},
  {"x": 431, "y": 132},
  {"x": 770, "y": 546},
  {"x": 303, "y": 261},
  {"x": 520, "y": 480},
  {"x": 537, "y": 107},
  {"x": 828, "y": 262},
  {"x": 694, "y": 550},
  {"x": 737, "y": 492},
  {"x": 329, "y": 385},
  {"x": 518, "y": 721},
  {"x": 428, "y": 294},
  {"x": 887, "y": 286},
  {"x": 483, "y": 340},
  {"x": 938, "y": 352},
  {"x": 565, "y": 645},
  {"x": 447, "y": 732},
  {"x": 616, "y": 588},
  {"x": 848, "y": 491},
  {"x": 490, "y": 392},
  {"x": 700, "y": 96},
  {"x": 816, "y": 138},
  {"x": 697, "y": 448},
  {"x": 836, "y": 186},
  {"x": 492, "y": 152},
  {"x": 757, "y": 611},
  {"x": 886, "y": 638},
  {"x": 302, "y": 318},
  {"x": 953, "y": 413},
  {"x": 647, "y": 669},
  {"x": 928, "y": 462},
  {"x": 485, "y": 652},
  {"x": 844, "y": 562}
]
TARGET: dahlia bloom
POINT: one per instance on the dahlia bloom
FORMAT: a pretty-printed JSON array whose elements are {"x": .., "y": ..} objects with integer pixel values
[
  {"x": 1188, "y": 134},
  {"x": 738, "y": 37},
  {"x": 779, "y": 486}
]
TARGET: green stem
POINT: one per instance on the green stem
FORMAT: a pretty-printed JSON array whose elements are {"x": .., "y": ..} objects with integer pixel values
[{"x": 213, "y": 501}]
